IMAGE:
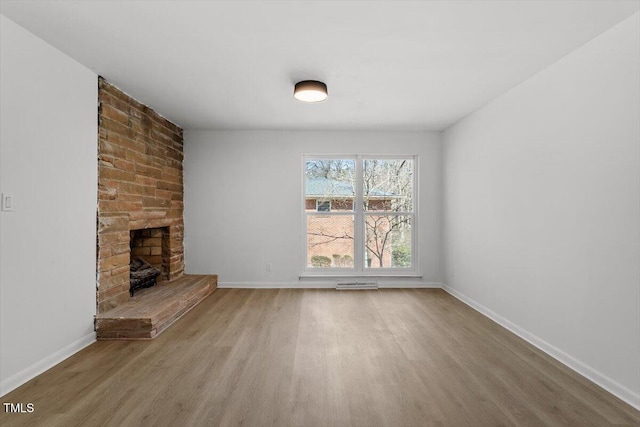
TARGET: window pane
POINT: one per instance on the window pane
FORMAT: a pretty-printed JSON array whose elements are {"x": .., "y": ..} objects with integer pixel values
[
  {"x": 330, "y": 241},
  {"x": 388, "y": 185},
  {"x": 387, "y": 241},
  {"x": 330, "y": 183}
]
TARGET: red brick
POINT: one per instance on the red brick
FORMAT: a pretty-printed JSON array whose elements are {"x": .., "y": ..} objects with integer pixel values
[
  {"x": 120, "y": 248},
  {"x": 123, "y": 270},
  {"x": 138, "y": 158},
  {"x": 116, "y": 223},
  {"x": 116, "y": 127},
  {"x": 174, "y": 213},
  {"x": 117, "y": 174},
  {"x": 118, "y": 206},
  {"x": 107, "y": 193},
  {"x": 108, "y": 111},
  {"x": 111, "y": 292},
  {"x": 164, "y": 194},
  {"x": 164, "y": 185},
  {"x": 145, "y": 180},
  {"x": 113, "y": 281},
  {"x": 140, "y": 251},
  {"x": 155, "y": 202},
  {"x": 112, "y": 149},
  {"x": 113, "y": 261},
  {"x": 171, "y": 178},
  {"x": 149, "y": 171},
  {"x": 124, "y": 165},
  {"x": 113, "y": 237}
]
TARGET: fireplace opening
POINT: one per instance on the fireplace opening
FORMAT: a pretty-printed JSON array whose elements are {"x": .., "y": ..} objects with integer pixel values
[{"x": 148, "y": 261}]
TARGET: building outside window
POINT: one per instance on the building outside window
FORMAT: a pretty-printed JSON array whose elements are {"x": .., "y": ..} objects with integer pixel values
[{"x": 323, "y": 205}]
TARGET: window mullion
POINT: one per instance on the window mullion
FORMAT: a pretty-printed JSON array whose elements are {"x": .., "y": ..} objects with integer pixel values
[{"x": 358, "y": 210}]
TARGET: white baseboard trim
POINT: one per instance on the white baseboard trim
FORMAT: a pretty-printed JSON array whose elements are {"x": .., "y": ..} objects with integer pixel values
[
  {"x": 324, "y": 284},
  {"x": 276, "y": 285},
  {"x": 19, "y": 378},
  {"x": 410, "y": 285},
  {"x": 612, "y": 386}
]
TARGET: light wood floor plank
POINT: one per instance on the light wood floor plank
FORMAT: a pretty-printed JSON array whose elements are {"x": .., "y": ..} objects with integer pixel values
[{"x": 293, "y": 357}]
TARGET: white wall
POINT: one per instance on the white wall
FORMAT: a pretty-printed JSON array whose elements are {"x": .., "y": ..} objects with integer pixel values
[
  {"x": 48, "y": 152},
  {"x": 243, "y": 200},
  {"x": 542, "y": 209}
]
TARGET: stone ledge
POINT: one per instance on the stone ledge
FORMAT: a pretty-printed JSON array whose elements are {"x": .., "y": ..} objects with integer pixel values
[{"x": 150, "y": 311}]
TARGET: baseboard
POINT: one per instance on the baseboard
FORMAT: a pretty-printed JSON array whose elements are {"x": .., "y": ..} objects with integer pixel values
[
  {"x": 48, "y": 362},
  {"x": 324, "y": 284},
  {"x": 613, "y": 387},
  {"x": 410, "y": 285},
  {"x": 276, "y": 285}
]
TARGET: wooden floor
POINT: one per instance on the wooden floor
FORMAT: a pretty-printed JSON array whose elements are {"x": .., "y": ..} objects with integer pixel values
[{"x": 319, "y": 358}]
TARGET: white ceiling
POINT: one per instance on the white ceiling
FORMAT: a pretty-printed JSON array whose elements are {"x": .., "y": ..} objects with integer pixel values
[{"x": 388, "y": 64}]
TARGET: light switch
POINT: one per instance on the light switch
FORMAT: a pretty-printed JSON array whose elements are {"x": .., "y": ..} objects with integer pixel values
[{"x": 7, "y": 202}]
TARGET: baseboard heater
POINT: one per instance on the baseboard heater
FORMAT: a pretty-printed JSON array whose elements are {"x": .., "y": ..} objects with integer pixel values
[{"x": 343, "y": 286}]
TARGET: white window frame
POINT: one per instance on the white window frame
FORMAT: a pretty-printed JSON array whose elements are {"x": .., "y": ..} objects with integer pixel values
[{"x": 358, "y": 214}]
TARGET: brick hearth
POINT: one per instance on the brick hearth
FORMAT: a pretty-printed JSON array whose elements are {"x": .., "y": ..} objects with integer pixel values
[{"x": 153, "y": 310}]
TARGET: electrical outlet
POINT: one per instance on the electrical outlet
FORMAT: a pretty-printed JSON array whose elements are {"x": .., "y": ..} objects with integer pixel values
[{"x": 267, "y": 266}]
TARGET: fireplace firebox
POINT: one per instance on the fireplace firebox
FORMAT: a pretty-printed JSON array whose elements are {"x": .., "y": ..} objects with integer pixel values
[{"x": 148, "y": 262}]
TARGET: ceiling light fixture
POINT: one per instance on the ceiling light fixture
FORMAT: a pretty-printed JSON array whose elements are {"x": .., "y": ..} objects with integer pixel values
[{"x": 310, "y": 91}]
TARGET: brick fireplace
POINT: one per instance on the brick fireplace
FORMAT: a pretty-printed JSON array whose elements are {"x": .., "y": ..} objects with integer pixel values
[{"x": 140, "y": 192}]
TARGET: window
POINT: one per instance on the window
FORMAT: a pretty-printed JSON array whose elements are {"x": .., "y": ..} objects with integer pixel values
[
  {"x": 364, "y": 216},
  {"x": 323, "y": 205}
]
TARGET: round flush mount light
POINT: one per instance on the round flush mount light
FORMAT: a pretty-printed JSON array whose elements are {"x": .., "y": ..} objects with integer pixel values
[{"x": 310, "y": 91}]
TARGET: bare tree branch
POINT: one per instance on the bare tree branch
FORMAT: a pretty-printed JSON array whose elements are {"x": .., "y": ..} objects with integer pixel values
[{"x": 330, "y": 238}]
